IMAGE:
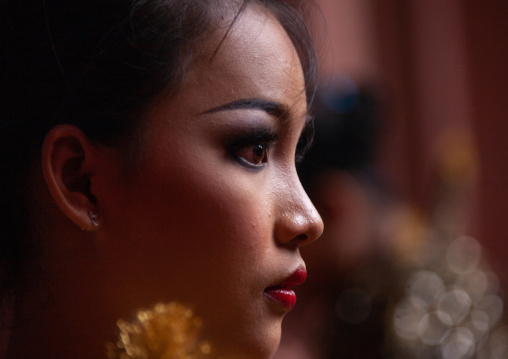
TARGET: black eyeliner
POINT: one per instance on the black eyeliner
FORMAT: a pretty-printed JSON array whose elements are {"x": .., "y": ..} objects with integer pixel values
[
  {"x": 267, "y": 137},
  {"x": 253, "y": 137},
  {"x": 304, "y": 141}
]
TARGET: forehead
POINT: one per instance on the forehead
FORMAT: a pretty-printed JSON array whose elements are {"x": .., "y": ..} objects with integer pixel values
[{"x": 255, "y": 58}]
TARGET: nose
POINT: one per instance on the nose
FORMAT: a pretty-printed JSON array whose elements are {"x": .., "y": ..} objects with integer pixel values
[{"x": 298, "y": 223}]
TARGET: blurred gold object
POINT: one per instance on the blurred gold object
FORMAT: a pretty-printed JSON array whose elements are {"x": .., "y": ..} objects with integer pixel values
[
  {"x": 167, "y": 331},
  {"x": 457, "y": 159}
]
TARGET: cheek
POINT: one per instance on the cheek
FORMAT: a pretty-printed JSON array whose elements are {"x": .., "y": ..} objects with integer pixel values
[
  {"x": 223, "y": 212},
  {"x": 202, "y": 213}
]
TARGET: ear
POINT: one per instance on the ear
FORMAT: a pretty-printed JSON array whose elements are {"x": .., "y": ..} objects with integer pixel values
[{"x": 68, "y": 164}]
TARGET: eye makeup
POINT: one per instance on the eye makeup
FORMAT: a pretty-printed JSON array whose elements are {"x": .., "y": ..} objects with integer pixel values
[
  {"x": 248, "y": 140},
  {"x": 305, "y": 140},
  {"x": 258, "y": 140}
]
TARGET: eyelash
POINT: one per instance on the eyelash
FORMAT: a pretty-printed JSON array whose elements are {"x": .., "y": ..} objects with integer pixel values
[
  {"x": 305, "y": 141},
  {"x": 263, "y": 140}
]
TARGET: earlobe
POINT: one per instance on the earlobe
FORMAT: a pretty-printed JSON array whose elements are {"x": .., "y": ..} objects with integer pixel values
[{"x": 68, "y": 166}]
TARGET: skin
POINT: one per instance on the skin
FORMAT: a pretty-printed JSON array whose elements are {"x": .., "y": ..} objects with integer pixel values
[{"x": 193, "y": 220}]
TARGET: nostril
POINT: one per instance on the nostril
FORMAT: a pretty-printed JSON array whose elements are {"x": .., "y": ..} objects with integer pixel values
[{"x": 302, "y": 237}]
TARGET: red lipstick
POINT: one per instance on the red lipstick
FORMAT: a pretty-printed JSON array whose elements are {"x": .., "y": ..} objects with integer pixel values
[{"x": 282, "y": 294}]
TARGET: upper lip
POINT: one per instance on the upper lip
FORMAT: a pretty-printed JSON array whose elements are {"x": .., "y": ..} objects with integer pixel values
[{"x": 296, "y": 278}]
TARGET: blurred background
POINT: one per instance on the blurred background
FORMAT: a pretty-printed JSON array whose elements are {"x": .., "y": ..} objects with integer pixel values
[{"x": 408, "y": 171}]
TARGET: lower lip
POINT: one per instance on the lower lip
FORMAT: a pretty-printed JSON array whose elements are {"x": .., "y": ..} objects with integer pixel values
[{"x": 285, "y": 298}]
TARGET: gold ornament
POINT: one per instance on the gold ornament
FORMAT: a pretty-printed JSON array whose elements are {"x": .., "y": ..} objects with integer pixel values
[{"x": 168, "y": 331}]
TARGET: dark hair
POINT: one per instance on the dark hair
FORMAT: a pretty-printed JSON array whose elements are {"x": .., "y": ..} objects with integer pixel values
[{"x": 97, "y": 64}]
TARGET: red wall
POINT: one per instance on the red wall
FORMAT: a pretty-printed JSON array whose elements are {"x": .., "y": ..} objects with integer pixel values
[{"x": 443, "y": 70}]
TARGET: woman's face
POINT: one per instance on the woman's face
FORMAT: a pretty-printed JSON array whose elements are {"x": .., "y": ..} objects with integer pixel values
[{"x": 213, "y": 215}]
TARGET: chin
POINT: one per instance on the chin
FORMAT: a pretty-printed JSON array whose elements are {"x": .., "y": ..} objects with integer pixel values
[
  {"x": 257, "y": 344},
  {"x": 264, "y": 352}
]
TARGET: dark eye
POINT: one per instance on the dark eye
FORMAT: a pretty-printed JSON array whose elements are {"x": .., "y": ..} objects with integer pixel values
[
  {"x": 251, "y": 149},
  {"x": 255, "y": 155}
]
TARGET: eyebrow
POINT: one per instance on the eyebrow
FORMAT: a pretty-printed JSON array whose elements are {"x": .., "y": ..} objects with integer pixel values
[{"x": 271, "y": 107}]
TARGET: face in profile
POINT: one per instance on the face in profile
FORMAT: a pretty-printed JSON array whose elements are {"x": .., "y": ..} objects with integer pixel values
[{"x": 213, "y": 214}]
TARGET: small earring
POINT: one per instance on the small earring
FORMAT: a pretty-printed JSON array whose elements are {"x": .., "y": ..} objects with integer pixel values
[{"x": 93, "y": 218}]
